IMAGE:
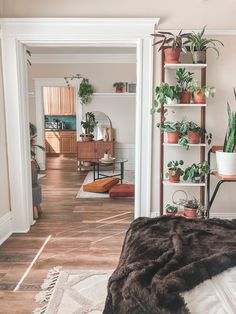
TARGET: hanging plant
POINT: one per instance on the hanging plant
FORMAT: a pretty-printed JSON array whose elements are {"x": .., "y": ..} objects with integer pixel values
[{"x": 85, "y": 90}]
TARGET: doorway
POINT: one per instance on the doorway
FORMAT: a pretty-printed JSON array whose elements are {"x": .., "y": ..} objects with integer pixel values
[{"x": 112, "y": 32}]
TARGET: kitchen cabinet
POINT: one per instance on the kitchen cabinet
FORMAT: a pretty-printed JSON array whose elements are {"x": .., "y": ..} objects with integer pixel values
[
  {"x": 59, "y": 101},
  {"x": 60, "y": 143},
  {"x": 92, "y": 151}
]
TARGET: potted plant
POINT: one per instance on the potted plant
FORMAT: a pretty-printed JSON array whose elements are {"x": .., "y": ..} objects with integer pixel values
[
  {"x": 184, "y": 79},
  {"x": 165, "y": 94},
  {"x": 200, "y": 93},
  {"x": 192, "y": 207},
  {"x": 171, "y": 209},
  {"x": 226, "y": 159},
  {"x": 196, "y": 172},
  {"x": 119, "y": 86},
  {"x": 106, "y": 154},
  {"x": 198, "y": 45},
  {"x": 34, "y": 164},
  {"x": 174, "y": 170},
  {"x": 85, "y": 91},
  {"x": 172, "y": 129},
  {"x": 88, "y": 125},
  {"x": 192, "y": 133},
  {"x": 171, "y": 44}
]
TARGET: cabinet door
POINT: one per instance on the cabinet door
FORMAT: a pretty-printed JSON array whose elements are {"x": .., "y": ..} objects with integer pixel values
[
  {"x": 86, "y": 150},
  {"x": 53, "y": 142},
  {"x": 68, "y": 142},
  {"x": 67, "y": 105},
  {"x": 51, "y": 100},
  {"x": 102, "y": 146}
]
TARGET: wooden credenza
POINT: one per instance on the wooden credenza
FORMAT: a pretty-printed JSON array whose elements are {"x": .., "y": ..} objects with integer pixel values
[
  {"x": 92, "y": 151},
  {"x": 61, "y": 143}
]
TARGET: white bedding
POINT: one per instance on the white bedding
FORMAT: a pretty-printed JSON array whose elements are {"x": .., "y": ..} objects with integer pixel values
[{"x": 214, "y": 296}]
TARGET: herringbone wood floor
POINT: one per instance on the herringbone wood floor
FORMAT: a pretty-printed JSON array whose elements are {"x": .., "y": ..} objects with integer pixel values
[{"x": 82, "y": 236}]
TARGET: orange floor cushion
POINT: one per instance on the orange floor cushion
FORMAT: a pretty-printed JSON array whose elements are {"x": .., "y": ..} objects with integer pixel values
[
  {"x": 122, "y": 190},
  {"x": 101, "y": 185}
]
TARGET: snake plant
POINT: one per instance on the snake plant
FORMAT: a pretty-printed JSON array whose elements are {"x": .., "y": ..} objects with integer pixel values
[{"x": 230, "y": 138}]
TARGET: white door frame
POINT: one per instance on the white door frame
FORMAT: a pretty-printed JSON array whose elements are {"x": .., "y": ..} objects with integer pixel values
[
  {"x": 39, "y": 83},
  {"x": 81, "y": 32}
]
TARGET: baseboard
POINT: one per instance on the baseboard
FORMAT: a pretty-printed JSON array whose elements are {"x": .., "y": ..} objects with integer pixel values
[
  {"x": 212, "y": 215},
  {"x": 5, "y": 227}
]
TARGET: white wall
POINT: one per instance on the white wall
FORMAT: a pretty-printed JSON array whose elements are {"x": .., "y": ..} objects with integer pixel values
[{"x": 4, "y": 183}]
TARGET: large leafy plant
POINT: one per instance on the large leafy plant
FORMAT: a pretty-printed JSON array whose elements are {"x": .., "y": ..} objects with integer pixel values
[
  {"x": 33, "y": 146},
  {"x": 170, "y": 40},
  {"x": 230, "y": 138},
  {"x": 165, "y": 93},
  {"x": 197, "y": 42},
  {"x": 89, "y": 123}
]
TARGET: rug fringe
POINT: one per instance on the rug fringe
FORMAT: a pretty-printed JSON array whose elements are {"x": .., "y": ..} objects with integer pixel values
[{"x": 47, "y": 287}]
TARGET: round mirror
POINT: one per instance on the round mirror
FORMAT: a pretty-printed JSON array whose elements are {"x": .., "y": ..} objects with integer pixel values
[{"x": 102, "y": 127}]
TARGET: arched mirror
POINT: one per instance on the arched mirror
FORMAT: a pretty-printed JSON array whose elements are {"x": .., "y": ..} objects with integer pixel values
[{"x": 103, "y": 127}]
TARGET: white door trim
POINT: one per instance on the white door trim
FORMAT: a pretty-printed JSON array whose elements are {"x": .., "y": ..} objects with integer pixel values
[{"x": 60, "y": 32}]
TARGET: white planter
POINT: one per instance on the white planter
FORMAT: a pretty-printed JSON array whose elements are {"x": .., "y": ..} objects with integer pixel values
[{"x": 226, "y": 163}]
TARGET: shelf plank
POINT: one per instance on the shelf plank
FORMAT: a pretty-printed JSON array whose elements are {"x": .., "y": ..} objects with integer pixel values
[
  {"x": 114, "y": 95},
  {"x": 183, "y": 183},
  {"x": 191, "y": 145},
  {"x": 223, "y": 177},
  {"x": 175, "y": 66},
  {"x": 185, "y": 105}
]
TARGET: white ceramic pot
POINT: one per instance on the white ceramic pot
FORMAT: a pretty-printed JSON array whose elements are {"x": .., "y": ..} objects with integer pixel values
[
  {"x": 106, "y": 157},
  {"x": 226, "y": 163}
]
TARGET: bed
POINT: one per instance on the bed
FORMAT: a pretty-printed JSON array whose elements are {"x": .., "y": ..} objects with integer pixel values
[{"x": 175, "y": 265}]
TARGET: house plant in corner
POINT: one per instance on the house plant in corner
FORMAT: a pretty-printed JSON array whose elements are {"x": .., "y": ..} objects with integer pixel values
[
  {"x": 183, "y": 79},
  {"x": 88, "y": 125},
  {"x": 171, "y": 44},
  {"x": 226, "y": 159},
  {"x": 172, "y": 129},
  {"x": 199, "y": 44},
  {"x": 196, "y": 172},
  {"x": 200, "y": 93},
  {"x": 174, "y": 170}
]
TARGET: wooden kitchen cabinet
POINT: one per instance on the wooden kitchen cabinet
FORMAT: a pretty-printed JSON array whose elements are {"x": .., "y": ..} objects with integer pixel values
[
  {"x": 67, "y": 100},
  {"x": 60, "y": 143},
  {"x": 92, "y": 151},
  {"x": 59, "y": 101}
]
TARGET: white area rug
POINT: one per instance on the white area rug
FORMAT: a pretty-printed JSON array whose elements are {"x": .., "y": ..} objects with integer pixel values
[
  {"x": 128, "y": 178},
  {"x": 73, "y": 291},
  {"x": 84, "y": 292}
]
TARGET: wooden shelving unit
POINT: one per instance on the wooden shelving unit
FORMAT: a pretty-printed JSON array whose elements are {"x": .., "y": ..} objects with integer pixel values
[{"x": 163, "y": 145}]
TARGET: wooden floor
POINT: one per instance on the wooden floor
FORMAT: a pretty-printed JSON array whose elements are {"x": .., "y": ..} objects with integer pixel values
[{"x": 85, "y": 234}]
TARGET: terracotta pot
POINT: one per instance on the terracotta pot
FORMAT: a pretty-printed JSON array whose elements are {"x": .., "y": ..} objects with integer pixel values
[
  {"x": 175, "y": 178},
  {"x": 172, "y": 55},
  {"x": 119, "y": 89},
  {"x": 190, "y": 212},
  {"x": 86, "y": 137},
  {"x": 194, "y": 137},
  {"x": 173, "y": 137},
  {"x": 199, "y": 57},
  {"x": 199, "y": 98},
  {"x": 185, "y": 98}
]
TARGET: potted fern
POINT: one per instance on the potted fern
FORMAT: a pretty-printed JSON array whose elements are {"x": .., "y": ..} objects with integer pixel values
[{"x": 226, "y": 159}]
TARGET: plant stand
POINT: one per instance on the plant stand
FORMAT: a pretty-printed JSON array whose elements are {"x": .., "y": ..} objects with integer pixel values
[
  {"x": 222, "y": 179},
  {"x": 164, "y": 146}
]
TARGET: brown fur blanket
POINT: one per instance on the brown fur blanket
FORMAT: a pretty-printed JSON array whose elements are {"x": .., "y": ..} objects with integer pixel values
[{"x": 162, "y": 257}]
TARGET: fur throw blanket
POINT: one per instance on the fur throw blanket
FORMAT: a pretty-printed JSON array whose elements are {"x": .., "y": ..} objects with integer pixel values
[{"x": 162, "y": 257}]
